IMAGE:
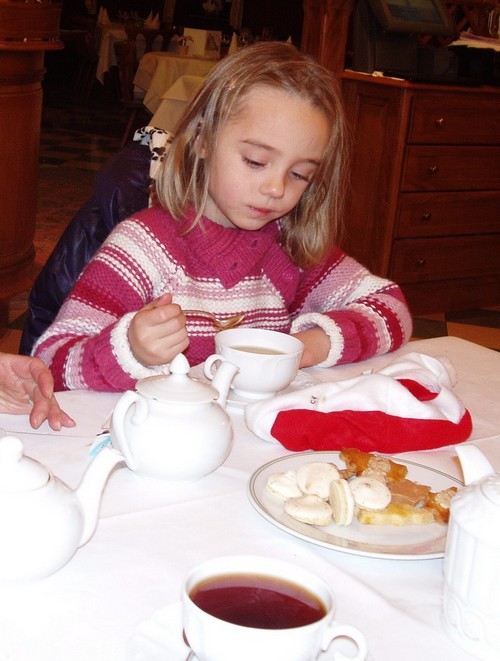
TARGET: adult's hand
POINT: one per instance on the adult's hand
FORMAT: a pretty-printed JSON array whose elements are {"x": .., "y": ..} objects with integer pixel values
[{"x": 27, "y": 387}]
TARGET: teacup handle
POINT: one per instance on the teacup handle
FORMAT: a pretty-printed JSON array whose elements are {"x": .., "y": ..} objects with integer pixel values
[
  {"x": 208, "y": 366},
  {"x": 346, "y": 631}
]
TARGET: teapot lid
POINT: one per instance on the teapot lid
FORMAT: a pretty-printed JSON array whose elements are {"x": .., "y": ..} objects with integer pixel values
[
  {"x": 17, "y": 472},
  {"x": 490, "y": 486},
  {"x": 177, "y": 387}
]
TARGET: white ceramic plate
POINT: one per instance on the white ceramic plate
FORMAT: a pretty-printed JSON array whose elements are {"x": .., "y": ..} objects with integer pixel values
[
  {"x": 400, "y": 543},
  {"x": 301, "y": 381}
]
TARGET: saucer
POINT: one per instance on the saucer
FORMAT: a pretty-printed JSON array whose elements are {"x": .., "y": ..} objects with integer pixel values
[
  {"x": 160, "y": 638},
  {"x": 238, "y": 402}
]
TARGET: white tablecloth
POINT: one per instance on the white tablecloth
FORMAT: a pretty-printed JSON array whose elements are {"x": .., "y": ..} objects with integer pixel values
[
  {"x": 109, "y": 35},
  {"x": 158, "y": 71},
  {"x": 174, "y": 101},
  {"x": 121, "y": 590}
]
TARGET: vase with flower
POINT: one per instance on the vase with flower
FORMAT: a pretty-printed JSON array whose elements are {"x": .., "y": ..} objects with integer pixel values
[{"x": 183, "y": 44}]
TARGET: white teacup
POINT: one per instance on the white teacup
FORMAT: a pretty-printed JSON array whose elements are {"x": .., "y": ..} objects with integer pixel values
[
  {"x": 303, "y": 630},
  {"x": 267, "y": 361}
]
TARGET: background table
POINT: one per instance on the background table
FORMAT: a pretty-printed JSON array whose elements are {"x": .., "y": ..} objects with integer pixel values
[
  {"x": 174, "y": 101},
  {"x": 127, "y": 580},
  {"x": 158, "y": 71},
  {"x": 107, "y": 37}
]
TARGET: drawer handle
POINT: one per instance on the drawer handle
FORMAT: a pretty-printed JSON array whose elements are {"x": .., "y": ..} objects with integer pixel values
[
  {"x": 420, "y": 263},
  {"x": 433, "y": 169},
  {"x": 426, "y": 216},
  {"x": 440, "y": 122}
]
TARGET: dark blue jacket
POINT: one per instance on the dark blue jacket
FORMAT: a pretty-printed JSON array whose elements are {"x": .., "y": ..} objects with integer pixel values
[{"x": 121, "y": 189}]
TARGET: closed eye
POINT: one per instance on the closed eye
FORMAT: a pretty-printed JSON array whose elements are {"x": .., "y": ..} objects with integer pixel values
[
  {"x": 252, "y": 164},
  {"x": 301, "y": 177}
]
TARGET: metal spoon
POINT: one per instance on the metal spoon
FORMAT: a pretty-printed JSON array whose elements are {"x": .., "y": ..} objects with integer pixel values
[{"x": 220, "y": 324}]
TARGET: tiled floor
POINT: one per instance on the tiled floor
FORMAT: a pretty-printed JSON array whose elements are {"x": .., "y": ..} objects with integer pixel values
[{"x": 77, "y": 139}]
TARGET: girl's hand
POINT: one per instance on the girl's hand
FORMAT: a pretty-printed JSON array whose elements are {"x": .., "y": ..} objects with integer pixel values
[
  {"x": 158, "y": 332},
  {"x": 316, "y": 346}
]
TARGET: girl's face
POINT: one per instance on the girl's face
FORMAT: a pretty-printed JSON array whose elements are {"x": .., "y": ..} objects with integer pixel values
[{"x": 265, "y": 159}]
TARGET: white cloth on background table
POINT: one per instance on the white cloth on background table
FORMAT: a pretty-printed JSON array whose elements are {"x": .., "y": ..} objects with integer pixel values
[
  {"x": 158, "y": 71},
  {"x": 174, "y": 101}
]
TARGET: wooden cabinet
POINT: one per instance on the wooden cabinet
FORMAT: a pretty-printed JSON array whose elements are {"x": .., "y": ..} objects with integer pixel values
[{"x": 424, "y": 208}]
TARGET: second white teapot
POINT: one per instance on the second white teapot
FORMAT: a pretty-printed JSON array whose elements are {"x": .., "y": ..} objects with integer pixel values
[{"x": 173, "y": 427}]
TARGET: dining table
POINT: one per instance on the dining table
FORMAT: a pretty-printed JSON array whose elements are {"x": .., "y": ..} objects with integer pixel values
[
  {"x": 118, "y": 597},
  {"x": 158, "y": 71},
  {"x": 174, "y": 101},
  {"x": 106, "y": 38}
]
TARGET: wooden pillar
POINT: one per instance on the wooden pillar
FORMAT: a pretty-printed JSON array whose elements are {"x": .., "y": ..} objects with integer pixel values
[
  {"x": 325, "y": 31},
  {"x": 27, "y": 29}
]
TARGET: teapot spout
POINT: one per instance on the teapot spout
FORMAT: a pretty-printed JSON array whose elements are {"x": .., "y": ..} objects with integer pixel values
[
  {"x": 89, "y": 492},
  {"x": 474, "y": 464}
]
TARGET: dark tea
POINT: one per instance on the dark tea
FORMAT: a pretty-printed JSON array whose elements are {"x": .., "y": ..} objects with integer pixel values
[{"x": 261, "y": 602}]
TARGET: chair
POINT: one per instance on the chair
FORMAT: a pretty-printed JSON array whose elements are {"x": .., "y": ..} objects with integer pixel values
[
  {"x": 126, "y": 57},
  {"x": 86, "y": 54}
]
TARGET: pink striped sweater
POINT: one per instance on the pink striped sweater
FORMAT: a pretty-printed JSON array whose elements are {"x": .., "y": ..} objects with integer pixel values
[{"x": 225, "y": 271}]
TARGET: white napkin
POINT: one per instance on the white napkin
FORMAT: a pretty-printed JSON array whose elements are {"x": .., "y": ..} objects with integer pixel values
[
  {"x": 103, "y": 17},
  {"x": 233, "y": 46},
  {"x": 152, "y": 22}
]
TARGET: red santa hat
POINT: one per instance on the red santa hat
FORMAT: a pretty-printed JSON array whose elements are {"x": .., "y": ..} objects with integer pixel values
[{"x": 407, "y": 405}]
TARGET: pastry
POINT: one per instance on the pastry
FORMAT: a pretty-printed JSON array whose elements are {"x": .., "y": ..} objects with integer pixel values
[
  {"x": 283, "y": 485},
  {"x": 396, "y": 514},
  {"x": 314, "y": 478},
  {"x": 372, "y": 488},
  {"x": 342, "y": 502},
  {"x": 369, "y": 493},
  {"x": 359, "y": 462},
  {"x": 310, "y": 509},
  {"x": 409, "y": 492},
  {"x": 439, "y": 504}
]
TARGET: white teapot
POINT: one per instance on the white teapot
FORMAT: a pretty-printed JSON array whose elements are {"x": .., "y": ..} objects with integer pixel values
[
  {"x": 471, "y": 596},
  {"x": 42, "y": 521},
  {"x": 173, "y": 427}
]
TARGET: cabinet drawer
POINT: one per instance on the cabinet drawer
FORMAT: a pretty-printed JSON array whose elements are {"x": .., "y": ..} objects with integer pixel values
[
  {"x": 418, "y": 260},
  {"x": 455, "y": 119},
  {"x": 443, "y": 214},
  {"x": 451, "y": 168}
]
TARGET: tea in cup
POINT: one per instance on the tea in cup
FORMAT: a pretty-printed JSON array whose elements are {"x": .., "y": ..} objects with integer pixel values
[
  {"x": 255, "y": 608},
  {"x": 267, "y": 361}
]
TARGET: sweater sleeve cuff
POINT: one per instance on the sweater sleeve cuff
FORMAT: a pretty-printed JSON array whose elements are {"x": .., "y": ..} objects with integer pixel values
[
  {"x": 311, "y": 319},
  {"x": 123, "y": 353}
]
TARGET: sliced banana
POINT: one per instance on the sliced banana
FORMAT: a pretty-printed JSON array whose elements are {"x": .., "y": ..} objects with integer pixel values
[
  {"x": 309, "y": 509},
  {"x": 369, "y": 493},
  {"x": 283, "y": 485},
  {"x": 314, "y": 478},
  {"x": 341, "y": 502}
]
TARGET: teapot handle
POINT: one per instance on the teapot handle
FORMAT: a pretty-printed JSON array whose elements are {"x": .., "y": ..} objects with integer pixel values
[
  {"x": 208, "y": 367},
  {"x": 118, "y": 435}
]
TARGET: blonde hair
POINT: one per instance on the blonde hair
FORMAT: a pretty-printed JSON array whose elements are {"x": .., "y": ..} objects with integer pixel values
[{"x": 310, "y": 230}]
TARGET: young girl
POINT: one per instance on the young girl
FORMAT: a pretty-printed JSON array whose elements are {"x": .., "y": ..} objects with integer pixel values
[{"x": 250, "y": 200}]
